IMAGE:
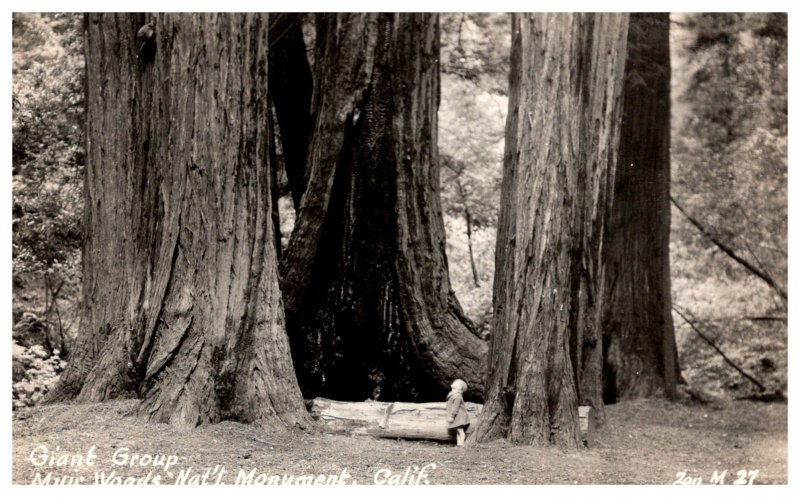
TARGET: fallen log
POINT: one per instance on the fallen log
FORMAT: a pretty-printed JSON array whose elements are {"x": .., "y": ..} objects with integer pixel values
[{"x": 423, "y": 421}]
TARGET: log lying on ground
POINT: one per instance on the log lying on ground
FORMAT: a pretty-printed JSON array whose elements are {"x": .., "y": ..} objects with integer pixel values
[
  {"x": 416, "y": 421},
  {"x": 423, "y": 421}
]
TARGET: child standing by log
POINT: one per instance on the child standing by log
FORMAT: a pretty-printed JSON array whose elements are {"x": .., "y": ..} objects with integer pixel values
[{"x": 457, "y": 418}]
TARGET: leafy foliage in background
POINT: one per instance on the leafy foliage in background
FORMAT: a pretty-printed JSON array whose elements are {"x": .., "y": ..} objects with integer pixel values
[
  {"x": 34, "y": 372},
  {"x": 472, "y": 114},
  {"x": 48, "y": 159},
  {"x": 729, "y": 171},
  {"x": 476, "y": 47}
]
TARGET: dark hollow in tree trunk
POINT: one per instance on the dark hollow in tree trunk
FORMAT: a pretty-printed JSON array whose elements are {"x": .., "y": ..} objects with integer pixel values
[
  {"x": 640, "y": 355},
  {"x": 181, "y": 299},
  {"x": 370, "y": 311},
  {"x": 566, "y": 78},
  {"x": 290, "y": 88}
]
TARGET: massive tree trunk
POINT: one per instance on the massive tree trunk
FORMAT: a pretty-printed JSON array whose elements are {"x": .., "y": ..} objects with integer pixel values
[
  {"x": 290, "y": 88},
  {"x": 566, "y": 79},
  {"x": 370, "y": 311},
  {"x": 181, "y": 301},
  {"x": 641, "y": 357},
  {"x": 602, "y": 85}
]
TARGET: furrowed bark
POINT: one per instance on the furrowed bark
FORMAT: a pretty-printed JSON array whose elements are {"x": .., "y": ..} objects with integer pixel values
[
  {"x": 181, "y": 300},
  {"x": 369, "y": 306},
  {"x": 603, "y": 88},
  {"x": 640, "y": 355},
  {"x": 565, "y": 82}
]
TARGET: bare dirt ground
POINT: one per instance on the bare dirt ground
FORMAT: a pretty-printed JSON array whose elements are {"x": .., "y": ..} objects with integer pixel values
[{"x": 644, "y": 442}]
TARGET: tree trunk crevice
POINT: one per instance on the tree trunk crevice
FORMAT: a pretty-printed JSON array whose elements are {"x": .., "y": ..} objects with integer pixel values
[
  {"x": 561, "y": 138},
  {"x": 181, "y": 306},
  {"x": 370, "y": 311}
]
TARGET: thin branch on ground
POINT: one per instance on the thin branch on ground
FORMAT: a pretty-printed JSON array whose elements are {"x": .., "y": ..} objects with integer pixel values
[
  {"x": 714, "y": 345},
  {"x": 762, "y": 274},
  {"x": 766, "y": 318}
]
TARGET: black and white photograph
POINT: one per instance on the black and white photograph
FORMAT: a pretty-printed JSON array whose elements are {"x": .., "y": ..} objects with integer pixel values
[{"x": 398, "y": 248}]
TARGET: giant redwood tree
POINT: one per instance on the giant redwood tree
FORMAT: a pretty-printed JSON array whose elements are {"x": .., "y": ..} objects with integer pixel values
[
  {"x": 600, "y": 129},
  {"x": 370, "y": 310},
  {"x": 561, "y": 139},
  {"x": 640, "y": 352},
  {"x": 181, "y": 300}
]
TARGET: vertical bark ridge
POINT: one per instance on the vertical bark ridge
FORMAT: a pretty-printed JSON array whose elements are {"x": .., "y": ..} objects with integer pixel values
[
  {"x": 604, "y": 85},
  {"x": 640, "y": 356},
  {"x": 563, "y": 88},
  {"x": 369, "y": 309},
  {"x": 181, "y": 263}
]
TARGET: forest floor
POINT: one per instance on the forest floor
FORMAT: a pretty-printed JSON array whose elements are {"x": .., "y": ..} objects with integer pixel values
[{"x": 644, "y": 442}]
